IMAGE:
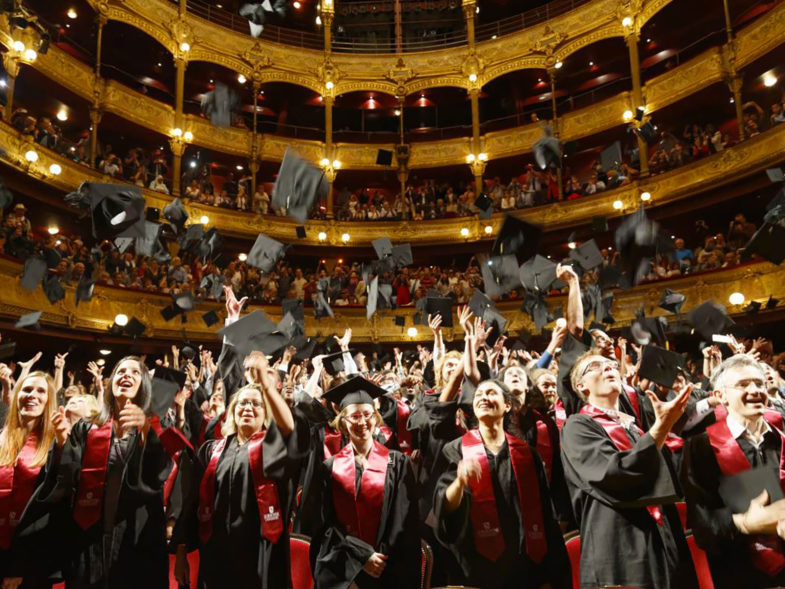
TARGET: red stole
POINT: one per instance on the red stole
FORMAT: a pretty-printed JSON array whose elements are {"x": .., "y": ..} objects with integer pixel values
[
  {"x": 765, "y": 551},
  {"x": 404, "y": 435},
  {"x": 360, "y": 512},
  {"x": 171, "y": 438},
  {"x": 559, "y": 414},
  {"x": 544, "y": 445},
  {"x": 332, "y": 442},
  {"x": 267, "y": 500},
  {"x": 90, "y": 494},
  {"x": 621, "y": 440},
  {"x": 488, "y": 538},
  {"x": 17, "y": 484}
]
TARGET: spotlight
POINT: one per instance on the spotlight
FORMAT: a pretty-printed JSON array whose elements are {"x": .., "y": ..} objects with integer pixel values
[
  {"x": 626, "y": 21},
  {"x": 193, "y": 163},
  {"x": 472, "y": 77},
  {"x": 769, "y": 80},
  {"x": 296, "y": 5},
  {"x": 325, "y": 162}
]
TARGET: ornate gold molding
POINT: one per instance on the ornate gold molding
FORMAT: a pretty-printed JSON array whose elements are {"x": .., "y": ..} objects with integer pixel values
[
  {"x": 757, "y": 281},
  {"x": 730, "y": 165}
]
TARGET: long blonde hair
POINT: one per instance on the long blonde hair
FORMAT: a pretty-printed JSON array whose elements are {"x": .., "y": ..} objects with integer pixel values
[
  {"x": 14, "y": 436},
  {"x": 229, "y": 426}
]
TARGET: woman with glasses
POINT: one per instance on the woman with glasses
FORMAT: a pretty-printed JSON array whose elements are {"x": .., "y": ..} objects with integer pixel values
[
  {"x": 240, "y": 491},
  {"x": 622, "y": 490},
  {"x": 492, "y": 505},
  {"x": 369, "y": 536}
]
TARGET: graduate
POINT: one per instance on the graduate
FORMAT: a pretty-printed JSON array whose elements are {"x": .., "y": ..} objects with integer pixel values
[
  {"x": 735, "y": 515},
  {"x": 28, "y": 551},
  {"x": 621, "y": 487},
  {"x": 242, "y": 490},
  {"x": 369, "y": 536},
  {"x": 112, "y": 469},
  {"x": 492, "y": 505}
]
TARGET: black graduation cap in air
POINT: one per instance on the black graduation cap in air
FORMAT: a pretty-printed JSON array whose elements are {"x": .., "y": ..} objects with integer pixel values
[
  {"x": 33, "y": 273},
  {"x": 500, "y": 274},
  {"x": 708, "y": 319},
  {"x": 534, "y": 304},
  {"x": 768, "y": 242},
  {"x": 298, "y": 186},
  {"x": 265, "y": 253},
  {"x": 775, "y": 175},
  {"x": 295, "y": 307},
  {"x": 611, "y": 276},
  {"x": 644, "y": 330},
  {"x": 480, "y": 303},
  {"x": 587, "y": 255},
  {"x": 192, "y": 236},
  {"x": 117, "y": 209},
  {"x": 210, "y": 243},
  {"x": 373, "y": 298},
  {"x": 356, "y": 390},
  {"x": 400, "y": 320},
  {"x": 660, "y": 365},
  {"x": 547, "y": 149},
  {"x": 605, "y": 310},
  {"x": 288, "y": 326},
  {"x": 167, "y": 382},
  {"x": 123, "y": 244},
  {"x": 170, "y": 312},
  {"x": 176, "y": 214},
  {"x": 321, "y": 306},
  {"x": 402, "y": 255},
  {"x": 53, "y": 289},
  {"x": 29, "y": 320},
  {"x": 484, "y": 204},
  {"x": 213, "y": 284},
  {"x": 135, "y": 328},
  {"x": 497, "y": 322},
  {"x": 383, "y": 247},
  {"x": 7, "y": 350},
  {"x": 218, "y": 105},
  {"x": 183, "y": 301},
  {"x": 147, "y": 243},
  {"x": 246, "y": 333},
  {"x": 305, "y": 346},
  {"x": 6, "y": 196},
  {"x": 538, "y": 274},
  {"x": 84, "y": 290},
  {"x": 672, "y": 301},
  {"x": 333, "y": 363},
  {"x": 210, "y": 318},
  {"x": 517, "y": 237},
  {"x": 637, "y": 240},
  {"x": 753, "y": 307},
  {"x": 772, "y": 302},
  {"x": 439, "y": 306}
]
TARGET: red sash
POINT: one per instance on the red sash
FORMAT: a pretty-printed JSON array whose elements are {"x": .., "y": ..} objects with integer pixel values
[
  {"x": 171, "y": 438},
  {"x": 267, "y": 500},
  {"x": 488, "y": 538},
  {"x": 765, "y": 551},
  {"x": 332, "y": 442},
  {"x": 404, "y": 435},
  {"x": 17, "y": 484},
  {"x": 90, "y": 494},
  {"x": 360, "y": 513},
  {"x": 544, "y": 445},
  {"x": 559, "y": 414},
  {"x": 621, "y": 440}
]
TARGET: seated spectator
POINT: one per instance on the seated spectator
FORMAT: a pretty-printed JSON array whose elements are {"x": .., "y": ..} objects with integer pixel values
[{"x": 159, "y": 185}]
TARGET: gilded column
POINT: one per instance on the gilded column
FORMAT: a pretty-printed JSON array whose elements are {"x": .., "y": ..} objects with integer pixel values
[
  {"x": 96, "y": 107},
  {"x": 632, "y": 38},
  {"x": 556, "y": 132},
  {"x": 11, "y": 65}
]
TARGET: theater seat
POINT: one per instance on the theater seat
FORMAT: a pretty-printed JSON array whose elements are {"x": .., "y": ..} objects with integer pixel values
[
  {"x": 300, "y": 562},
  {"x": 427, "y": 565},
  {"x": 701, "y": 564},
  {"x": 682, "y": 507},
  {"x": 573, "y": 543}
]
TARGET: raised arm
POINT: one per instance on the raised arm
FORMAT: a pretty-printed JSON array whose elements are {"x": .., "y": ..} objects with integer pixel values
[
  {"x": 574, "y": 303},
  {"x": 257, "y": 366}
]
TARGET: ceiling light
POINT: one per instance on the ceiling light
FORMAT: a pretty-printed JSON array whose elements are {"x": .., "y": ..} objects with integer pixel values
[
  {"x": 591, "y": 64},
  {"x": 62, "y": 115},
  {"x": 477, "y": 10},
  {"x": 627, "y": 115},
  {"x": 188, "y": 136},
  {"x": 488, "y": 229},
  {"x": 242, "y": 257},
  {"x": 493, "y": 36},
  {"x": 104, "y": 352},
  {"x": 53, "y": 230},
  {"x": 618, "y": 205},
  {"x": 645, "y": 195},
  {"x": 30, "y": 55},
  {"x": 345, "y": 237},
  {"x": 464, "y": 232},
  {"x": 31, "y": 156},
  {"x": 322, "y": 236},
  {"x": 18, "y": 46},
  {"x": 736, "y": 298},
  {"x": 204, "y": 220},
  {"x": 55, "y": 169},
  {"x": 185, "y": 46},
  {"x": 241, "y": 78},
  {"x": 100, "y": 362},
  {"x": 558, "y": 65},
  {"x": 71, "y": 13},
  {"x": 193, "y": 163},
  {"x": 296, "y": 5},
  {"x": 769, "y": 80},
  {"x": 121, "y": 319},
  {"x": 411, "y": 332}
]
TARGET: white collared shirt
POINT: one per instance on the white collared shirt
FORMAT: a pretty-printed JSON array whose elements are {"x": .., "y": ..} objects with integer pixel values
[
  {"x": 626, "y": 421},
  {"x": 738, "y": 430}
]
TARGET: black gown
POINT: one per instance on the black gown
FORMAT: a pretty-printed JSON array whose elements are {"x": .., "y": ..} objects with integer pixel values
[
  {"x": 236, "y": 552},
  {"x": 621, "y": 544},
  {"x": 337, "y": 559},
  {"x": 513, "y": 569},
  {"x": 126, "y": 548},
  {"x": 711, "y": 519}
]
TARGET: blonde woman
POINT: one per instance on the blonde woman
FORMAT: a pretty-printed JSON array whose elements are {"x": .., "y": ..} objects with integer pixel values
[
  {"x": 25, "y": 441},
  {"x": 241, "y": 490},
  {"x": 367, "y": 493}
]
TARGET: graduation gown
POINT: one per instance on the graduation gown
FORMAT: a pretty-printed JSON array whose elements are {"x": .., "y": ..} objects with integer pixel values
[
  {"x": 126, "y": 547},
  {"x": 621, "y": 542},
  {"x": 236, "y": 551},
  {"x": 514, "y": 568},
  {"x": 728, "y": 551},
  {"x": 337, "y": 558}
]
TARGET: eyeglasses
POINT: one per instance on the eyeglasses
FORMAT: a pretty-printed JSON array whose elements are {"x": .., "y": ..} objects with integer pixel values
[
  {"x": 249, "y": 403},
  {"x": 744, "y": 385},
  {"x": 359, "y": 417},
  {"x": 599, "y": 365}
]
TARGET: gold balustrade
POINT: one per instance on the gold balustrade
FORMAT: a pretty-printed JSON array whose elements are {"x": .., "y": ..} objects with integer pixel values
[
  {"x": 708, "y": 68},
  {"x": 734, "y": 163},
  {"x": 756, "y": 281}
]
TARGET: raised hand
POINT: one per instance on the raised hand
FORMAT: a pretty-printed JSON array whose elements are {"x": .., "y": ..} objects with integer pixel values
[
  {"x": 435, "y": 323},
  {"x": 468, "y": 471},
  {"x": 97, "y": 373},
  {"x": 375, "y": 565},
  {"x": 60, "y": 361},
  {"x": 62, "y": 426},
  {"x": 131, "y": 416},
  {"x": 28, "y": 366},
  {"x": 233, "y": 306},
  {"x": 565, "y": 273},
  {"x": 464, "y": 317},
  {"x": 343, "y": 342}
]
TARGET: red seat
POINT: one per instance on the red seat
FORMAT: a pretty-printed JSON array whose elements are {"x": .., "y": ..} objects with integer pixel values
[
  {"x": 573, "y": 543},
  {"x": 193, "y": 570},
  {"x": 702, "y": 570},
  {"x": 300, "y": 564},
  {"x": 427, "y": 565},
  {"x": 682, "y": 507}
]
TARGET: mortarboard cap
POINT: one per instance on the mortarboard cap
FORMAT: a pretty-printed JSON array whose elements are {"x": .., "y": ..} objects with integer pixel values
[
  {"x": 644, "y": 330},
  {"x": 53, "y": 289},
  {"x": 84, "y": 290},
  {"x": 497, "y": 322},
  {"x": 152, "y": 214},
  {"x": 753, "y": 307},
  {"x": 402, "y": 255},
  {"x": 166, "y": 384},
  {"x": 517, "y": 238},
  {"x": 775, "y": 175},
  {"x": 356, "y": 390},
  {"x": 384, "y": 157},
  {"x": 321, "y": 306},
  {"x": 176, "y": 214},
  {"x": 500, "y": 274},
  {"x": 547, "y": 151},
  {"x": 484, "y": 202},
  {"x": 210, "y": 243},
  {"x": 265, "y": 253},
  {"x": 538, "y": 274},
  {"x": 660, "y": 365},
  {"x": 298, "y": 186},
  {"x": 295, "y": 308},
  {"x": 534, "y": 305},
  {"x": 244, "y": 332},
  {"x": 637, "y": 238},
  {"x": 333, "y": 362},
  {"x": 192, "y": 236},
  {"x": 135, "y": 328},
  {"x": 210, "y": 318},
  {"x": 737, "y": 490},
  {"x": 117, "y": 209},
  {"x": 29, "y": 320},
  {"x": 33, "y": 273},
  {"x": 383, "y": 247},
  {"x": 440, "y": 306},
  {"x": 768, "y": 242},
  {"x": 299, "y": 231},
  {"x": 123, "y": 244},
  {"x": 7, "y": 350},
  {"x": 373, "y": 298},
  {"x": 400, "y": 320},
  {"x": 305, "y": 347},
  {"x": 213, "y": 285},
  {"x": 672, "y": 301},
  {"x": 587, "y": 255},
  {"x": 183, "y": 301},
  {"x": 772, "y": 302},
  {"x": 479, "y": 303},
  {"x": 170, "y": 312},
  {"x": 708, "y": 319}
]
